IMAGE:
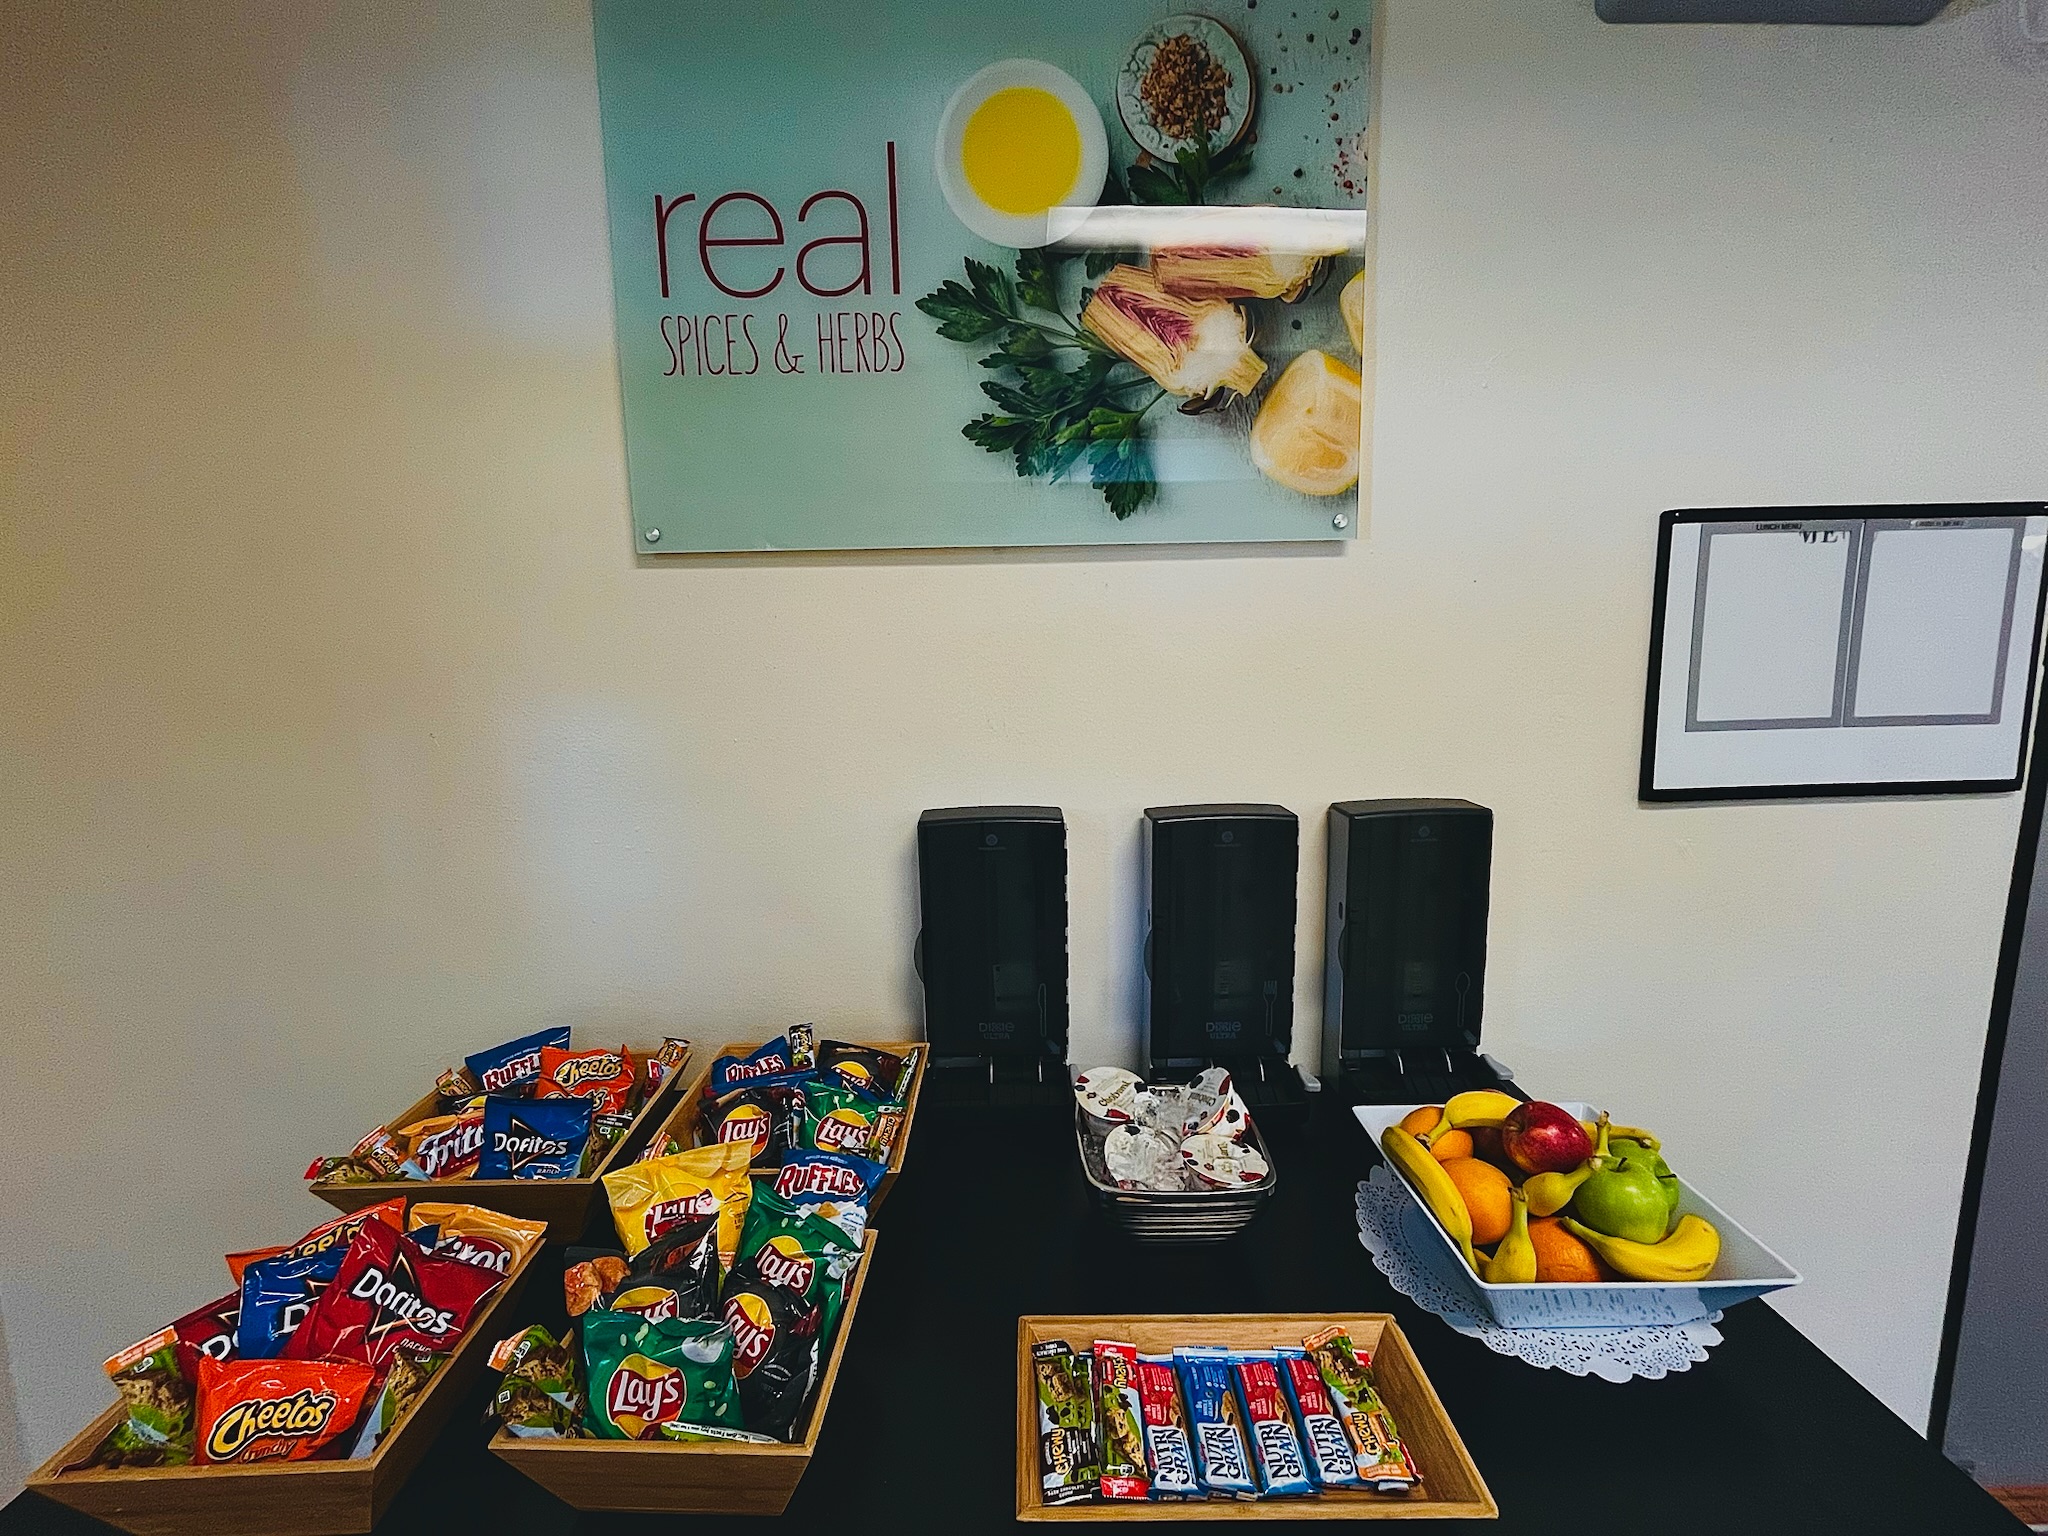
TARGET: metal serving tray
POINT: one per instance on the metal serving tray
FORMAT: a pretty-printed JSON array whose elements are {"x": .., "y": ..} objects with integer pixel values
[{"x": 1175, "y": 1215}]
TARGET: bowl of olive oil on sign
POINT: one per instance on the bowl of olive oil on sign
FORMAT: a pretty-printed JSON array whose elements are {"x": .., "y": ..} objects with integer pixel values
[{"x": 943, "y": 275}]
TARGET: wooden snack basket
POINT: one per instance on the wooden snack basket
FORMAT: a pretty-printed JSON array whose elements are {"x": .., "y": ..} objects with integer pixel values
[
  {"x": 564, "y": 1204},
  {"x": 278, "y": 1498},
  {"x": 682, "y": 1121},
  {"x": 1450, "y": 1489},
  {"x": 686, "y": 1476}
]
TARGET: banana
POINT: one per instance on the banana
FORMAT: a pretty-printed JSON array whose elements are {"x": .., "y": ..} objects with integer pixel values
[
  {"x": 1687, "y": 1254},
  {"x": 1514, "y": 1257},
  {"x": 1429, "y": 1180},
  {"x": 1481, "y": 1106}
]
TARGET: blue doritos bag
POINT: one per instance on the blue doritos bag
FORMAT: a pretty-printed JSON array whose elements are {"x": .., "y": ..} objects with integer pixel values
[
  {"x": 808, "y": 1177},
  {"x": 534, "y": 1138},
  {"x": 277, "y": 1293},
  {"x": 514, "y": 1067}
]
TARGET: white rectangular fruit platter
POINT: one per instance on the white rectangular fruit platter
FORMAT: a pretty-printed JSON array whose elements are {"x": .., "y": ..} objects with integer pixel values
[{"x": 1745, "y": 1268}]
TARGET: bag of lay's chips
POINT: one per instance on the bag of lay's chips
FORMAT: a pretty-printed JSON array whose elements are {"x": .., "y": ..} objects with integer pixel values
[
  {"x": 648, "y": 1198},
  {"x": 836, "y": 1119},
  {"x": 645, "y": 1375},
  {"x": 487, "y": 1239},
  {"x": 782, "y": 1301}
]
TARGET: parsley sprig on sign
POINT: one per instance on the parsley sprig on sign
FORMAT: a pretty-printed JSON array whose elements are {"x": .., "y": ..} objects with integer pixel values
[{"x": 1064, "y": 401}]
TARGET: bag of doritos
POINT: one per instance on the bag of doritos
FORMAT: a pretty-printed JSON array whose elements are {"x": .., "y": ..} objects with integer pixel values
[
  {"x": 649, "y": 1198},
  {"x": 278, "y": 1294},
  {"x": 270, "y": 1410},
  {"x": 645, "y": 1374},
  {"x": 208, "y": 1331},
  {"x": 534, "y": 1138},
  {"x": 390, "y": 1291},
  {"x": 488, "y": 1239}
]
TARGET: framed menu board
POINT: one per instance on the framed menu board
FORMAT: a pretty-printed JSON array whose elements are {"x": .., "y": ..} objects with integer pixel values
[{"x": 1804, "y": 651}]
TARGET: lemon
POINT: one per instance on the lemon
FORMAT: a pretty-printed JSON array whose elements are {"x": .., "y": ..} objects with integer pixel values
[
  {"x": 1306, "y": 434},
  {"x": 1351, "y": 303}
]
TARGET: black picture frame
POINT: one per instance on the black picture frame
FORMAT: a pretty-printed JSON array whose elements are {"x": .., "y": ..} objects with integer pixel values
[{"x": 1647, "y": 790}]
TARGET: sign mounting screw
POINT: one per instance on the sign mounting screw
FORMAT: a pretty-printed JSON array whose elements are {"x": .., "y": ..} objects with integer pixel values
[
  {"x": 1341, "y": 520},
  {"x": 653, "y": 535}
]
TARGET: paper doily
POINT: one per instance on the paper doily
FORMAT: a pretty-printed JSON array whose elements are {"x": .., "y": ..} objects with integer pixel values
[{"x": 1396, "y": 1234}]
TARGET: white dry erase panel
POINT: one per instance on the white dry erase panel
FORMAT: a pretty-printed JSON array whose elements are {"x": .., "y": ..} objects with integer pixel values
[{"x": 1842, "y": 651}]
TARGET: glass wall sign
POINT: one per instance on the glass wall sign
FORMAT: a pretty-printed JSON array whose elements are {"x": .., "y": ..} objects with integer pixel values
[{"x": 904, "y": 275}]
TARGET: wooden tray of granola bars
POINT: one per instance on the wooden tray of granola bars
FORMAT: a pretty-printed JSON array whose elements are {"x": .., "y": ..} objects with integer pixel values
[
  {"x": 683, "y": 1122},
  {"x": 564, "y": 1204},
  {"x": 1450, "y": 1487},
  {"x": 280, "y": 1498}
]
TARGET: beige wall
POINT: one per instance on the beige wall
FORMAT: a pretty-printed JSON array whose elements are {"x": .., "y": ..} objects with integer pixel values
[{"x": 341, "y": 732}]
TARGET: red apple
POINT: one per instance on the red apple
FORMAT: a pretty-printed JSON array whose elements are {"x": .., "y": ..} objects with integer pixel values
[{"x": 1541, "y": 1138}]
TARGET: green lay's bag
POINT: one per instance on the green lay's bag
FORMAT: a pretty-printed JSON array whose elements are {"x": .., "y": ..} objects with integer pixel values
[
  {"x": 643, "y": 1375},
  {"x": 837, "y": 1119},
  {"x": 782, "y": 1300}
]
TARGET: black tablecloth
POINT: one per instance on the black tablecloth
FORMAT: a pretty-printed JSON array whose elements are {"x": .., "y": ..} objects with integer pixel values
[{"x": 991, "y": 1219}]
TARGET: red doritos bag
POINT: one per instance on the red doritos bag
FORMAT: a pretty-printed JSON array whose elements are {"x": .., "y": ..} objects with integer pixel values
[
  {"x": 341, "y": 1230},
  {"x": 208, "y": 1333},
  {"x": 390, "y": 1291}
]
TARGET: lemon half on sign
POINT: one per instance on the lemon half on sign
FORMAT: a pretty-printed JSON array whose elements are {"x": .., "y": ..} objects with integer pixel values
[
  {"x": 1017, "y": 140},
  {"x": 1306, "y": 435}
]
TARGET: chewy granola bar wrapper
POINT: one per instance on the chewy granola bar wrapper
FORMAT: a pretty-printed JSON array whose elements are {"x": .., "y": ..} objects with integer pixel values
[
  {"x": 1122, "y": 1417},
  {"x": 158, "y": 1396},
  {"x": 1269, "y": 1424},
  {"x": 1222, "y": 1461},
  {"x": 1383, "y": 1462},
  {"x": 1068, "y": 1466},
  {"x": 539, "y": 1398},
  {"x": 405, "y": 1377},
  {"x": 1328, "y": 1448}
]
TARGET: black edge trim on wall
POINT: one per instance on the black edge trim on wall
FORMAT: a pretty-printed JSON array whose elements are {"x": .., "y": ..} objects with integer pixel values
[{"x": 2014, "y": 939}]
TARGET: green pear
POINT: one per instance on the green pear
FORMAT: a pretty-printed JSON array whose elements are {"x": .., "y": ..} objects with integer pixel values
[{"x": 1624, "y": 1200}]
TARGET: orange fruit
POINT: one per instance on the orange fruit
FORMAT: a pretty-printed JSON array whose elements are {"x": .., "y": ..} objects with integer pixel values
[
  {"x": 1560, "y": 1257},
  {"x": 1420, "y": 1122},
  {"x": 1485, "y": 1189},
  {"x": 1451, "y": 1144}
]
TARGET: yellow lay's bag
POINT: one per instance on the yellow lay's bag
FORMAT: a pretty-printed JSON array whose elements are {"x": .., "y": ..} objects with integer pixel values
[{"x": 651, "y": 1197}]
